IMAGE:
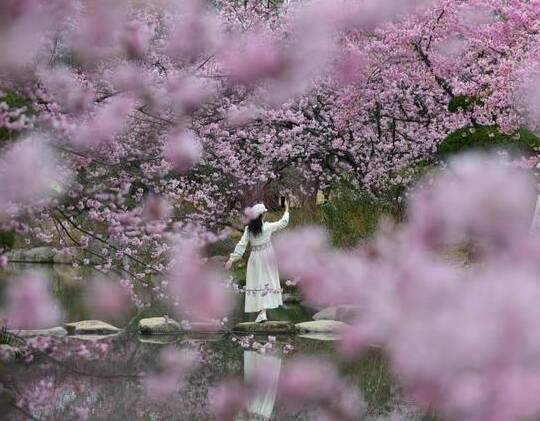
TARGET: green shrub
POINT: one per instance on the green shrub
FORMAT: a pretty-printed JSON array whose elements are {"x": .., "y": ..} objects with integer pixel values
[
  {"x": 352, "y": 214},
  {"x": 486, "y": 138},
  {"x": 7, "y": 239}
]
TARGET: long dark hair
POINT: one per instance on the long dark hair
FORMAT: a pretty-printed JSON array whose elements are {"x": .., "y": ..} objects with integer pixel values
[{"x": 255, "y": 225}]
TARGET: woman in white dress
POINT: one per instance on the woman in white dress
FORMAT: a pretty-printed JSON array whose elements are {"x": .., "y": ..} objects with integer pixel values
[{"x": 263, "y": 290}]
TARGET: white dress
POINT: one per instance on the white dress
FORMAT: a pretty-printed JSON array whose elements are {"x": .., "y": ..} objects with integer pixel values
[
  {"x": 535, "y": 224},
  {"x": 263, "y": 290},
  {"x": 262, "y": 405}
]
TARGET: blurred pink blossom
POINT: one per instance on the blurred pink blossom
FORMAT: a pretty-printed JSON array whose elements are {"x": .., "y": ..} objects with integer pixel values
[
  {"x": 105, "y": 125},
  {"x": 135, "y": 38},
  {"x": 228, "y": 399},
  {"x": 107, "y": 298},
  {"x": 196, "y": 286},
  {"x": 29, "y": 303},
  {"x": 174, "y": 366},
  {"x": 479, "y": 198},
  {"x": 195, "y": 32},
  {"x": 182, "y": 151},
  {"x": 30, "y": 172},
  {"x": 67, "y": 89}
]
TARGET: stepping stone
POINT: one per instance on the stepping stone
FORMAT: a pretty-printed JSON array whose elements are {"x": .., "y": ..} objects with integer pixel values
[
  {"x": 320, "y": 336},
  {"x": 90, "y": 327},
  {"x": 272, "y": 327},
  {"x": 320, "y": 326},
  {"x": 54, "y": 331},
  {"x": 93, "y": 338},
  {"x": 291, "y": 298},
  {"x": 159, "y": 339},
  {"x": 348, "y": 313},
  {"x": 205, "y": 327},
  {"x": 159, "y": 326},
  {"x": 342, "y": 313},
  {"x": 329, "y": 313}
]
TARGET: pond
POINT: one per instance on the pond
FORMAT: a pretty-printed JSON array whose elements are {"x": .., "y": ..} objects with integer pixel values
[{"x": 110, "y": 387}]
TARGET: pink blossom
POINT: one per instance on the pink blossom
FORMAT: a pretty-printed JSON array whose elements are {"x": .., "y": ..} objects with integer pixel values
[
  {"x": 135, "y": 38},
  {"x": 30, "y": 173},
  {"x": 494, "y": 204},
  {"x": 67, "y": 89},
  {"x": 174, "y": 366},
  {"x": 253, "y": 58},
  {"x": 107, "y": 298},
  {"x": 196, "y": 32},
  {"x": 156, "y": 209},
  {"x": 29, "y": 303},
  {"x": 196, "y": 286},
  {"x": 182, "y": 151},
  {"x": 229, "y": 399},
  {"x": 105, "y": 125}
]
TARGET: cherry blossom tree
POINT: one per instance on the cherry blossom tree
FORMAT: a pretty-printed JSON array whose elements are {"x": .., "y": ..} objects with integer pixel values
[{"x": 132, "y": 132}]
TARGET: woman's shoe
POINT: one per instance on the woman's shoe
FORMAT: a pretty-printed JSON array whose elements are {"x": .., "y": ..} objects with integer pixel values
[{"x": 261, "y": 317}]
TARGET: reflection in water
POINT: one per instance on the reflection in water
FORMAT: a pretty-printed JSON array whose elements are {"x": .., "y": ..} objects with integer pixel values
[{"x": 262, "y": 405}]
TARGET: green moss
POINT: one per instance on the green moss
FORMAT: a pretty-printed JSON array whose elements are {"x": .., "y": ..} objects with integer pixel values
[
  {"x": 7, "y": 239},
  {"x": 15, "y": 100},
  {"x": 486, "y": 138}
]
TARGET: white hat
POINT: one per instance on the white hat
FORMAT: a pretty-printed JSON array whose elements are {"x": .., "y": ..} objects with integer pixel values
[{"x": 257, "y": 210}]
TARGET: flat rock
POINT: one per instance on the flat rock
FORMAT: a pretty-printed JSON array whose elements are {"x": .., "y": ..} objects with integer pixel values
[
  {"x": 266, "y": 327},
  {"x": 159, "y": 326},
  {"x": 34, "y": 255},
  {"x": 159, "y": 339},
  {"x": 90, "y": 327},
  {"x": 348, "y": 313},
  {"x": 291, "y": 298},
  {"x": 53, "y": 331},
  {"x": 343, "y": 313},
  {"x": 320, "y": 326},
  {"x": 320, "y": 336},
  {"x": 205, "y": 327},
  {"x": 329, "y": 313}
]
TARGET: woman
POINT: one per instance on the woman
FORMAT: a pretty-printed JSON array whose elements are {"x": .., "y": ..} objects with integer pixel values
[{"x": 263, "y": 290}]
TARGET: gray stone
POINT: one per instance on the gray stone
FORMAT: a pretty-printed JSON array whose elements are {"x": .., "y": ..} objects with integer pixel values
[
  {"x": 271, "y": 327},
  {"x": 218, "y": 259},
  {"x": 342, "y": 313},
  {"x": 348, "y": 313},
  {"x": 53, "y": 331},
  {"x": 329, "y": 313},
  {"x": 159, "y": 326},
  {"x": 90, "y": 327},
  {"x": 320, "y": 336},
  {"x": 291, "y": 298},
  {"x": 34, "y": 255},
  {"x": 159, "y": 339},
  {"x": 320, "y": 326},
  {"x": 205, "y": 327},
  {"x": 94, "y": 338}
]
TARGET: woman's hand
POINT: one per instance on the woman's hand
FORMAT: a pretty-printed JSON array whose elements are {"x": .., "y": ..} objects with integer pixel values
[
  {"x": 228, "y": 265},
  {"x": 287, "y": 205}
]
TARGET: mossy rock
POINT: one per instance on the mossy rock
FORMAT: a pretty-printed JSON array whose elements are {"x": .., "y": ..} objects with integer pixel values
[
  {"x": 270, "y": 327},
  {"x": 158, "y": 326},
  {"x": 320, "y": 326}
]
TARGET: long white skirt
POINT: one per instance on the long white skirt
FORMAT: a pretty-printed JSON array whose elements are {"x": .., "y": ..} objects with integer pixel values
[
  {"x": 263, "y": 290},
  {"x": 262, "y": 405}
]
